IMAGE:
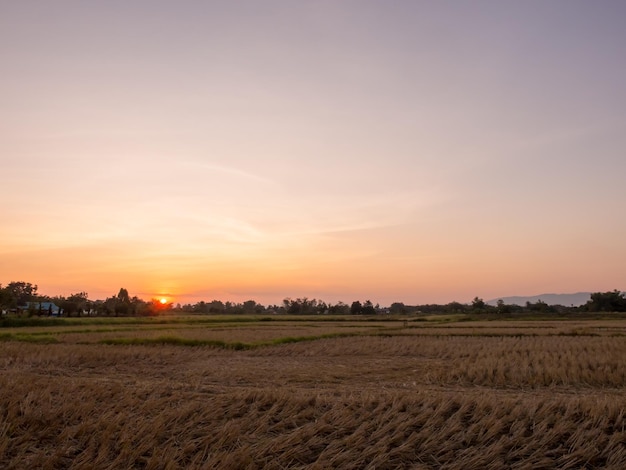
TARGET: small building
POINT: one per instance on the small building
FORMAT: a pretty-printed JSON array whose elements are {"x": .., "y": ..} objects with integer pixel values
[{"x": 44, "y": 308}]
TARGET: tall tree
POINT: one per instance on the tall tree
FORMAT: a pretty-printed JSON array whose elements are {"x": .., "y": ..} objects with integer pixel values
[
  {"x": 368, "y": 308},
  {"x": 478, "y": 303},
  {"x": 613, "y": 301},
  {"x": 19, "y": 293},
  {"x": 356, "y": 308},
  {"x": 76, "y": 303},
  {"x": 123, "y": 296}
]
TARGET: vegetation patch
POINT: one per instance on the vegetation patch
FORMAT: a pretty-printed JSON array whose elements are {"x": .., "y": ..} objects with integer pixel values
[
  {"x": 176, "y": 341},
  {"x": 29, "y": 338},
  {"x": 300, "y": 339},
  {"x": 235, "y": 345},
  {"x": 11, "y": 321}
]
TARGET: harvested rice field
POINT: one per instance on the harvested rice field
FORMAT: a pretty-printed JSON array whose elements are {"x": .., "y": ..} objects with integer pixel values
[{"x": 313, "y": 393}]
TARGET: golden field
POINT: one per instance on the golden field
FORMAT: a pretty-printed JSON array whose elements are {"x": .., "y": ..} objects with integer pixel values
[{"x": 314, "y": 393}]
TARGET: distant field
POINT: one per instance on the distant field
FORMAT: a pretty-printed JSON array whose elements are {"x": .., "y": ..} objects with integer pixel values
[{"x": 317, "y": 392}]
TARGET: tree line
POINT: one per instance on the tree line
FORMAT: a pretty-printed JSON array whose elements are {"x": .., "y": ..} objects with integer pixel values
[{"x": 24, "y": 298}]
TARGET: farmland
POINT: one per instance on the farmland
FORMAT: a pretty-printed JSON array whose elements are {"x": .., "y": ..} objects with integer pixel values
[{"x": 313, "y": 392}]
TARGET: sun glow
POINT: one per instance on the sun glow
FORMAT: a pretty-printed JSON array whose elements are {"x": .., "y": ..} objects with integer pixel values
[{"x": 163, "y": 300}]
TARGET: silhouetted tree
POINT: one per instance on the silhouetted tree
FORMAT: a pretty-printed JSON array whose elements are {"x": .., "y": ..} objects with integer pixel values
[
  {"x": 339, "y": 309},
  {"x": 291, "y": 306},
  {"x": 216, "y": 306},
  {"x": 123, "y": 296},
  {"x": 540, "y": 306},
  {"x": 397, "y": 308},
  {"x": 76, "y": 303},
  {"x": 478, "y": 304},
  {"x": 612, "y": 301},
  {"x": 119, "y": 304},
  {"x": 301, "y": 306},
  {"x": 250, "y": 306},
  {"x": 456, "y": 307},
  {"x": 18, "y": 293},
  {"x": 368, "y": 308},
  {"x": 356, "y": 308},
  {"x": 501, "y": 307}
]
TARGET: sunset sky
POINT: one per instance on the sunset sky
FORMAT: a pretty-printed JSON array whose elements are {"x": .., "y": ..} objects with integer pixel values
[{"x": 413, "y": 151}]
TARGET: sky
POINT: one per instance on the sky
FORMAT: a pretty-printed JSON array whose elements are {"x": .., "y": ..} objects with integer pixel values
[{"x": 410, "y": 151}]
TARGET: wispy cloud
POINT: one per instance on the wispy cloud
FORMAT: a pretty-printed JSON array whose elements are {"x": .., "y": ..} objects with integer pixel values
[{"x": 226, "y": 171}]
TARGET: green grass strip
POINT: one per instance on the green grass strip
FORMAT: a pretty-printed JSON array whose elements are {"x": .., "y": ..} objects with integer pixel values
[
  {"x": 28, "y": 338},
  {"x": 236, "y": 345},
  {"x": 176, "y": 341}
]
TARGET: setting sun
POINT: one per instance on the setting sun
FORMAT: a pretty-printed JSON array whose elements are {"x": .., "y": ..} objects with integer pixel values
[{"x": 163, "y": 300}]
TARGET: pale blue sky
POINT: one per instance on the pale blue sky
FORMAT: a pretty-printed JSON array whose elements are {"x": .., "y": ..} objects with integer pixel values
[{"x": 411, "y": 151}]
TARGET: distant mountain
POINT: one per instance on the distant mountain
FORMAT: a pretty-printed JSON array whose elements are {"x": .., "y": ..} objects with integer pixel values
[{"x": 577, "y": 299}]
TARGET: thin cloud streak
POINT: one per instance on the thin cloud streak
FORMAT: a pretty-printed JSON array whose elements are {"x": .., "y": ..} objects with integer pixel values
[{"x": 233, "y": 172}]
